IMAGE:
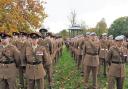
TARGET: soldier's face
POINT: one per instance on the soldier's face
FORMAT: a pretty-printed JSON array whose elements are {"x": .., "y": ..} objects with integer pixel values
[
  {"x": 34, "y": 41},
  {"x": 30, "y": 39},
  {"x": 24, "y": 38},
  {"x": 15, "y": 37},
  {"x": 110, "y": 38},
  {"x": 119, "y": 43},
  {"x": 88, "y": 36},
  {"x": 5, "y": 41},
  {"x": 43, "y": 34},
  {"x": 93, "y": 37},
  {"x": 105, "y": 37}
]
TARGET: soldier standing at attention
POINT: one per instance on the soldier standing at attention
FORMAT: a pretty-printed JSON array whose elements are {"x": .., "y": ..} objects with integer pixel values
[
  {"x": 110, "y": 41},
  {"x": 104, "y": 47},
  {"x": 20, "y": 41},
  {"x": 37, "y": 58},
  {"x": 116, "y": 56},
  {"x": 9, "y": 62},
  {"x": 47, "y": 43},
  {"x": 85, "y": 38},
  {"x": 80, "y": 56},
  {"x": 91, "y": 60}
]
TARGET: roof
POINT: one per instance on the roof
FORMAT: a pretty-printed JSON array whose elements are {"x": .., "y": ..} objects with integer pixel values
[{"x": 75, "y": 27}]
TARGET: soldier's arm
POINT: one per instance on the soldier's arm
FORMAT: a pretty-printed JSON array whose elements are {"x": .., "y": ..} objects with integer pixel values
[
  {"x": 47, "y": 58},
  {"x": 84, "y": 48},
  {"x": 109, "y": 56},
  {"x": 81, "y": 47},
  {"x": 50, "y": 47},
  {"x": 16, "y": 54},
  {"x": 48, "y": 66},
  {"x": 125, "y": 54}
]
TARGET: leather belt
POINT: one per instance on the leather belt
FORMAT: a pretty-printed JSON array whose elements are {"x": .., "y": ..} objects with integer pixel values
[
  {"x": 92, "y": 53},
  {"x": 6, "y": 62},
  {"x": 115, "y": 62},
  {"x": 34, "y": 63}
]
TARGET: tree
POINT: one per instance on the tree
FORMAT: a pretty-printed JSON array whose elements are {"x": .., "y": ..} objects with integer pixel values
[
  {"x": 21, "y": 15},
  {"x": 91, "y": 30},
  {"x": 101, "y": 27},
  {"x": 72, "y": 17},
  {"x": 64, "y": 33},
  {"x": 119, "y": 26}
]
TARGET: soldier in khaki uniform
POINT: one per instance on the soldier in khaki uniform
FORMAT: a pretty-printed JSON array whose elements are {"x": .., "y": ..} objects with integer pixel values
[
  {"x": 80, "y": 51},
  {"x": 21, "y": 42},
  {"x": 9, "y": 62},
  {"x": 91, "y": 60},
  {"x": 72, "y": 41},
  {"x": 37, "y": 59},
  {"x": 54, "y": 48},
  {"x": 50, "y": 46},
  {"x": 75, "y": 49},
  {"x": 47, "y": 43},
  {"x": 61, "y": 45},
  {"x": 116, "y": 56},
  {"x": 104, "y": 47},
  {"x": 81, "y": 46},
  {"x": 58, "y": 48},
  {"x": 110, "y": 41}
]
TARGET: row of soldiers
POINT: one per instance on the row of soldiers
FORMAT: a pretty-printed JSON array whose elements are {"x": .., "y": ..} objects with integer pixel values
[
  {"x": 93, "y": 53},
  {"x": 28, "y": 58}
]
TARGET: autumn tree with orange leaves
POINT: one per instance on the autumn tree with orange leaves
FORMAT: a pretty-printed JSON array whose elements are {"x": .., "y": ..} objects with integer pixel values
[{"x": 21, "y": 15}]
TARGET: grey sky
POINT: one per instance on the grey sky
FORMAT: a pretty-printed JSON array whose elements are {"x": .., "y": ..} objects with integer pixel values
[{"x": 90, "y": 11}]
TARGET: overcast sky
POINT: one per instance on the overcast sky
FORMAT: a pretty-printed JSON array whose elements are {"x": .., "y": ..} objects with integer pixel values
[{"x": 90, "y": 11}]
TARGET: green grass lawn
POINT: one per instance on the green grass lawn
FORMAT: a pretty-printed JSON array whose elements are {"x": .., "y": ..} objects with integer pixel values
[{"x": 66, "y": 75}]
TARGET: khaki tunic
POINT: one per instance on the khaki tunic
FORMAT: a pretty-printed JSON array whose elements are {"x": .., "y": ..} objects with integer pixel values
[
  {"x": 116, "y": 70},
  {"x": 111, "y": 43},
  {"x": 91, "y": 60},
  {"x": 81, "y": 44},
  {"x": 49, "y": 45},
  {"x": 22, "y": 48},
  {"x": 37, "y": 71},
  {"x": 9, "y": 70},
  {"x": 103, "y": 48}
]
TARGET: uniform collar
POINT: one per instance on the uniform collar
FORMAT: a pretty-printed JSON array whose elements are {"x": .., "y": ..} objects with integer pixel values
[{"x": 34, "y": 46}]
